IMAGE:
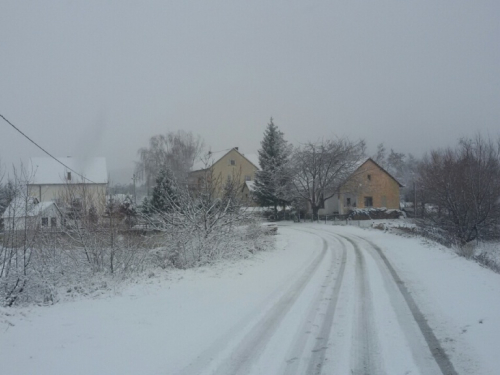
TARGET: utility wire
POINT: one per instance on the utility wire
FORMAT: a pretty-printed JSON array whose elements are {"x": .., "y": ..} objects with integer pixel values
[{"x": 41, "y": 148}]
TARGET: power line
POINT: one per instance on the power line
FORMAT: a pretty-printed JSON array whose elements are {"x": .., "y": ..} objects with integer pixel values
[{"x": 41, "y": 148}]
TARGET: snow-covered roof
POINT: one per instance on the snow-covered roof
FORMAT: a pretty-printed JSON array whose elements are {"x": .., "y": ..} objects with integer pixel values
[
  {"x": 48, "y": 171},
  {"x": 203, "y": 163},
  {"x": 207, "y": 160},
  {"x": 253, "y": 158},
  {"x": 22, "y": 207},
  {"x": 250, "y": 185}
]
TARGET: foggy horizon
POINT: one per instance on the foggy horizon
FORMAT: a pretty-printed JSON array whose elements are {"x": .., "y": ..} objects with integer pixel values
[{"x": 96, "y": 79}]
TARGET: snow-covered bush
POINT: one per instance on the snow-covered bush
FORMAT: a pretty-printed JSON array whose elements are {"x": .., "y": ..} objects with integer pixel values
[
  {"x": 98, "y": 248},
  {"x": 488, "y": 255},
  {"x": 198, "y": 226},
  {"x": 374, "y": 213}
]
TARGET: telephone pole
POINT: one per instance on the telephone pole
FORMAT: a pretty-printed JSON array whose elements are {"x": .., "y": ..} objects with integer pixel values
[{"x": 134, "y": 178}]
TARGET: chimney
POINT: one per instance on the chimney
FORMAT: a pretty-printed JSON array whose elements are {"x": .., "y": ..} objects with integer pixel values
[{"x": 236, "y": 148}]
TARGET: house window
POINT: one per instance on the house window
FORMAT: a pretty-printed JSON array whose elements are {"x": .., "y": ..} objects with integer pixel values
[
  {"x": 45, "y": 221},
  {"x": 232, "y": 162},
  {"x": 348, "y": 201},
  {"x": 53, "y": 222},
  {"x": 368, "y": 201},
  {"x": 248, "y": 178},
  {"x": 369, "y": 177},
  {"x": 68, "y": 176}
]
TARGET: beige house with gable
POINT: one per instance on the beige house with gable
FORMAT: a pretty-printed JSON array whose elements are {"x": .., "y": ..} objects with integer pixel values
[
  {"x": 230, "y": 166},
  {"x": 369, "y": 186}
]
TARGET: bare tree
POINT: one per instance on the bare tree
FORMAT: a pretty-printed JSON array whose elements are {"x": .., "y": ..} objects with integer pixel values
[
  {"x": 7, "y": 193},
  {"x": 20, "y": 232},
  {"x": 320, "y": 168},
  {"x": 174, "y": 150},
  {"x": 462, "y": 186}
]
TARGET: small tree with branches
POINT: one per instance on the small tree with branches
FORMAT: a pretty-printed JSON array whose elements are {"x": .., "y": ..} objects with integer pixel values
[{"x": 462, "y": 188}]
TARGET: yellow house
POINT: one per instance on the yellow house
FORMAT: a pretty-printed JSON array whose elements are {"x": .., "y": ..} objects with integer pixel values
[
  {"x": 231, "y": 166},
  {"x": 369, "y": 186}
]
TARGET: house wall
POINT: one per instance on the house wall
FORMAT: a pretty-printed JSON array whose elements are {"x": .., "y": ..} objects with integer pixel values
[
  {"x": 19, "y": 222},
  {"x": 32, "y": 223},
  {"x": 247, "y": 197},
  {"x": 49, "y": 213},
  {"x": 370, "y": 181},
  {"x": 222, "y": 170},
  {"x": 331, "y": 206},
  {"x": 94, "y": 193},
  {"x": 241, "y": 168}
]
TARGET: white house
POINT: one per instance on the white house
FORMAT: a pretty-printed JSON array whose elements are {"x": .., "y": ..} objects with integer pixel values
[
  {"x": 84, "y": 181},
  {"x": 31, "y": 214}
]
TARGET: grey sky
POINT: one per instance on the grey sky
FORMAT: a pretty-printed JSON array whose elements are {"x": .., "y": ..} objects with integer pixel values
[{"x": 99, "y": 78}]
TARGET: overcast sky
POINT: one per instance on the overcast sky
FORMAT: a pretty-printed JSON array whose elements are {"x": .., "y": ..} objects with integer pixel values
[{"x": 99, "y": 78}]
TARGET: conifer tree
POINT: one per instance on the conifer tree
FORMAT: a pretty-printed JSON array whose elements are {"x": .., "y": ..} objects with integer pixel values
[
  {"x": 272, "y": 180},
  {"x": 165, "y": 192}
]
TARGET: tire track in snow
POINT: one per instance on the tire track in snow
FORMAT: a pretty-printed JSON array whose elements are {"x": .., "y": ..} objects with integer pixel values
[
  {"x": 317, "y": 360},
  {"x": 253, "y": 344},
  {"x": 437, "y": 351},
  {"x": 318, "y": 357},
  {"x": 365, "y": 353},
  {"x": 219, "y": 359},
  {"x": 434, "y": 346}
]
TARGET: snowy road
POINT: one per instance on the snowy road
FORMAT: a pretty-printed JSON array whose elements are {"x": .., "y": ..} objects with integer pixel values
[
  {"x": 331, "y": 300},
  {"x": 377, "y": 328}
]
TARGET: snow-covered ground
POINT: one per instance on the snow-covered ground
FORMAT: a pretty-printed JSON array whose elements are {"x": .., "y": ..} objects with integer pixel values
[{"x": 330, "y": 299}]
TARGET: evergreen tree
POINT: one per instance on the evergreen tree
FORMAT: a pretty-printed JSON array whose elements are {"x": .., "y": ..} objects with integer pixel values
[
  {"x": 146, "y": 208},
  {"x": 7, "y": 194},
  {"x": 272, "y": 180},
  {"x": 165, "y": 192}
]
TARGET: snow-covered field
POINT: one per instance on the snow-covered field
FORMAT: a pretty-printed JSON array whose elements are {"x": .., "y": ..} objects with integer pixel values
[{"x": 325, "y": 301}]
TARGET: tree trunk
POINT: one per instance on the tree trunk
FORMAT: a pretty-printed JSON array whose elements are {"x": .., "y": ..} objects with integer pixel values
[{"x": 315, "y": 210}]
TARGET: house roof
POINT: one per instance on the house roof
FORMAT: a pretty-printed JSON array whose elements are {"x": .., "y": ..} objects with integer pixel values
[
  {"x": 48, "y": 171},
  {"x": 22, "y": 207},
  {"x": 250, "y": 185},
  {"x": 201, "y": 165},
  {"x": 374, "y": 162},
  {"x": 254, "y": 159}
]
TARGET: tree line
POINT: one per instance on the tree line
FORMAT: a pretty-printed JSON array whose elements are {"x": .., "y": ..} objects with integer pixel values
[
  {"x": 455, "y": 195},
  {"x": 452, "y": 191},
  {"x": 104, "y": 239}
]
